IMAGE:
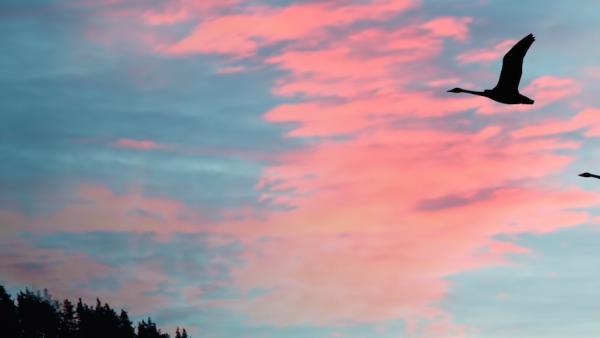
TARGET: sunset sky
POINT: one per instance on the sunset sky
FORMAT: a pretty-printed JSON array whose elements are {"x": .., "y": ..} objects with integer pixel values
[{"x": 296, "y": 168}]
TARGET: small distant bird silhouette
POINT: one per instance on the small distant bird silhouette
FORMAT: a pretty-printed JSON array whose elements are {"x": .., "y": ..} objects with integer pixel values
[
  {"x": 507, "y": 89},
  {"x": 589, "y": 175}
]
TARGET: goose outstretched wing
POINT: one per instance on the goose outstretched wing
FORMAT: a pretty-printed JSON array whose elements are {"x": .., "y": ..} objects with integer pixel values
[{"x": 512, "y": 65}]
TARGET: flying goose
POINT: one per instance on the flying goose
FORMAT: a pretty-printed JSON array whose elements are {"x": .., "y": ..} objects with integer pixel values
[{"x": 507, "y": 89}]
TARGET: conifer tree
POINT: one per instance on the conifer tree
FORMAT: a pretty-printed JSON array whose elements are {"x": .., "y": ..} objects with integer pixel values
[
  {"x": 148, "y": 330},
  {"x": 8, "y": 314},
  {"x": 68, "y": 325},
  {"x": 125, "y": 326},
  {"x": 38, "y": 315},
  {"x": 84, "y": 319}
]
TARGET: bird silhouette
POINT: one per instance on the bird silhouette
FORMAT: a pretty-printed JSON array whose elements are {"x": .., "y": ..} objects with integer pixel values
[
  {"x": 589, "y": 175},
  {"x": 507, "y": 89}
]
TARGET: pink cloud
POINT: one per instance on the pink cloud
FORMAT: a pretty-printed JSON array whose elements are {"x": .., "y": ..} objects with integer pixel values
[
  {"x": 42, "y": 268},
  {"x": 97, "y": 208},
  {"x": 544, "y": 90},
  {"x": 231, "y": 70},
  {"x": 588, "y": 121},
  {"x": 177, "y": 11},
  {"x": 358, "y": 232},
  {"x": 592, "y": 71},
  {"x": 445, "y": 82},
  {"x": 384, "y": 54},
  {"x": 71, "y": 274},
  {"x": 457, "y": 28},
  {"x": 315, "y": 118},
  {"x": 549, "y": 89},
  {"x": 373, "y": 97},
  {"x": 383, "y": 218},
  {"x": 485, "y": 55},
  {"x": 244, "y": 33},
  {"x": 128, "y": 143},
  {"x": 161, "y": 18}
]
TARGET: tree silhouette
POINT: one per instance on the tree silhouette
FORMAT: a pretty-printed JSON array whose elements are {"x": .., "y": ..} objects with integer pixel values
[
  {"x": 181, "y": 334},
  {"x": 8, "y": 313},
  {"x": 148, "y": 330},
  {"x": 68, "y": 326},
  {"x": 125, "y": 329},
  {"x": 37, "y": 315},
  {"x": 84, "y": 319}
]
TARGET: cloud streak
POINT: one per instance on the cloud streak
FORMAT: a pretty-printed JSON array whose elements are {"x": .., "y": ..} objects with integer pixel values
[
  {"x": 127, "y": 143},
  {"x": 486, "y": 54}
]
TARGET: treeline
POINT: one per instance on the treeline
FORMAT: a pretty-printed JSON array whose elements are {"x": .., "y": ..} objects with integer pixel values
[{"x": 38, "y": 315}]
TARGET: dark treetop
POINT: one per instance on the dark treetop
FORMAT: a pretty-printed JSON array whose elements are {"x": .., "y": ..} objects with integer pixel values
[{"x": 38, "y": 315}]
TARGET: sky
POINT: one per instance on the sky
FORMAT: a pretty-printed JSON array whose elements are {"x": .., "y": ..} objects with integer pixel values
[{"x": 296, "y": 168}]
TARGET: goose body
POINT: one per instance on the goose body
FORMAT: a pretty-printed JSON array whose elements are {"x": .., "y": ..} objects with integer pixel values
[{"x": 507, "y": 88}]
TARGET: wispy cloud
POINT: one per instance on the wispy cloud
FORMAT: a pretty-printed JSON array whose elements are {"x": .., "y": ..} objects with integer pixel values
[
  {"x": 128, "y": 143},
  {"x": 487, "y": 54}
]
